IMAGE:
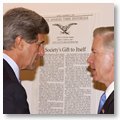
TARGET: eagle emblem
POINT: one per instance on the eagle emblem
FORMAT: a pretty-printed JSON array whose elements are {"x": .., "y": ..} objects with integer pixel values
[{"x": 65, "y": 27}]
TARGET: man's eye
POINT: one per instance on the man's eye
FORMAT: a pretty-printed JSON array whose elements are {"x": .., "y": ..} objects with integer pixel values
[{"x": 42, "y": 42}]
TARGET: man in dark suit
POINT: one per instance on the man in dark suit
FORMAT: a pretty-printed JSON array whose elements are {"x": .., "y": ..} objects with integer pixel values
[
  {"x": 101, "y": 62},
  {"x": 24, "y": 32},
  {"x": 15, "y": 99}
]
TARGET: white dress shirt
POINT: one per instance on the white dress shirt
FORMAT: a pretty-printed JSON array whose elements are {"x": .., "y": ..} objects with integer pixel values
[
  {"x": 13, "y": 65},
  {"x": 109, "y": 90}
]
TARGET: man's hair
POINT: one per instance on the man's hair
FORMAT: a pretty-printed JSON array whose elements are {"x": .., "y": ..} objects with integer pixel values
[
  {"x": 22, "y": 22},
  {"x": 108, "y": 35}
]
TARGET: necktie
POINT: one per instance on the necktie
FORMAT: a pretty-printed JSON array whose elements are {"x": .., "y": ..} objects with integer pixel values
[{"x": 102, "y": 101}]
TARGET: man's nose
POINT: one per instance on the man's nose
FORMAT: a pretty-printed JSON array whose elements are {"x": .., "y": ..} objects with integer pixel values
[
  {"x": 89, "y": 60},
  {"x": 41, "y": 51}
]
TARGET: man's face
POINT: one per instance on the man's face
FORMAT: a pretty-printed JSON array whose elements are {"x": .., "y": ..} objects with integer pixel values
[
  {"x": 32, "y": 52},
  {"x": 100, "y": 61}
]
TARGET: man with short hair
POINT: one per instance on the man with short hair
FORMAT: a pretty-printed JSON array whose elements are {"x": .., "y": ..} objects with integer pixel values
[
  {"x": 101, "y": 62},
  {"x": 24, "y": 33}
]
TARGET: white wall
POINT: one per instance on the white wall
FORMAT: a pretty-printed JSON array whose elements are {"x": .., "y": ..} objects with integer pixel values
[{"x": 64, "y": 8}]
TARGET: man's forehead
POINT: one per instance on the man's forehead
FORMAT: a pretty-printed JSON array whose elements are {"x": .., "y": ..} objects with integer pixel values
[
  {"x": 97, "y": 44},
  {"x": 41, "y": 35},
  {"x": 98, "y": 40}
]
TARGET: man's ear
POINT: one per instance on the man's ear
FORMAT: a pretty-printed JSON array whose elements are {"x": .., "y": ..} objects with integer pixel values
[{"x": 19, "y": 43}]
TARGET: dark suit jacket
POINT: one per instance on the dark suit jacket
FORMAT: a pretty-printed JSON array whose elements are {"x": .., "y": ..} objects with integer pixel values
[
  {"x": 14, "y": 95},
  {"x": 108, "y": 107}
]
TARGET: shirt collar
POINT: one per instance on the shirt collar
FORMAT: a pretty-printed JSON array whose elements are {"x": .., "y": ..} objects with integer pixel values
[
  {"x": 13, "y": 65},
  {"x": 109, "y": 90}
]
